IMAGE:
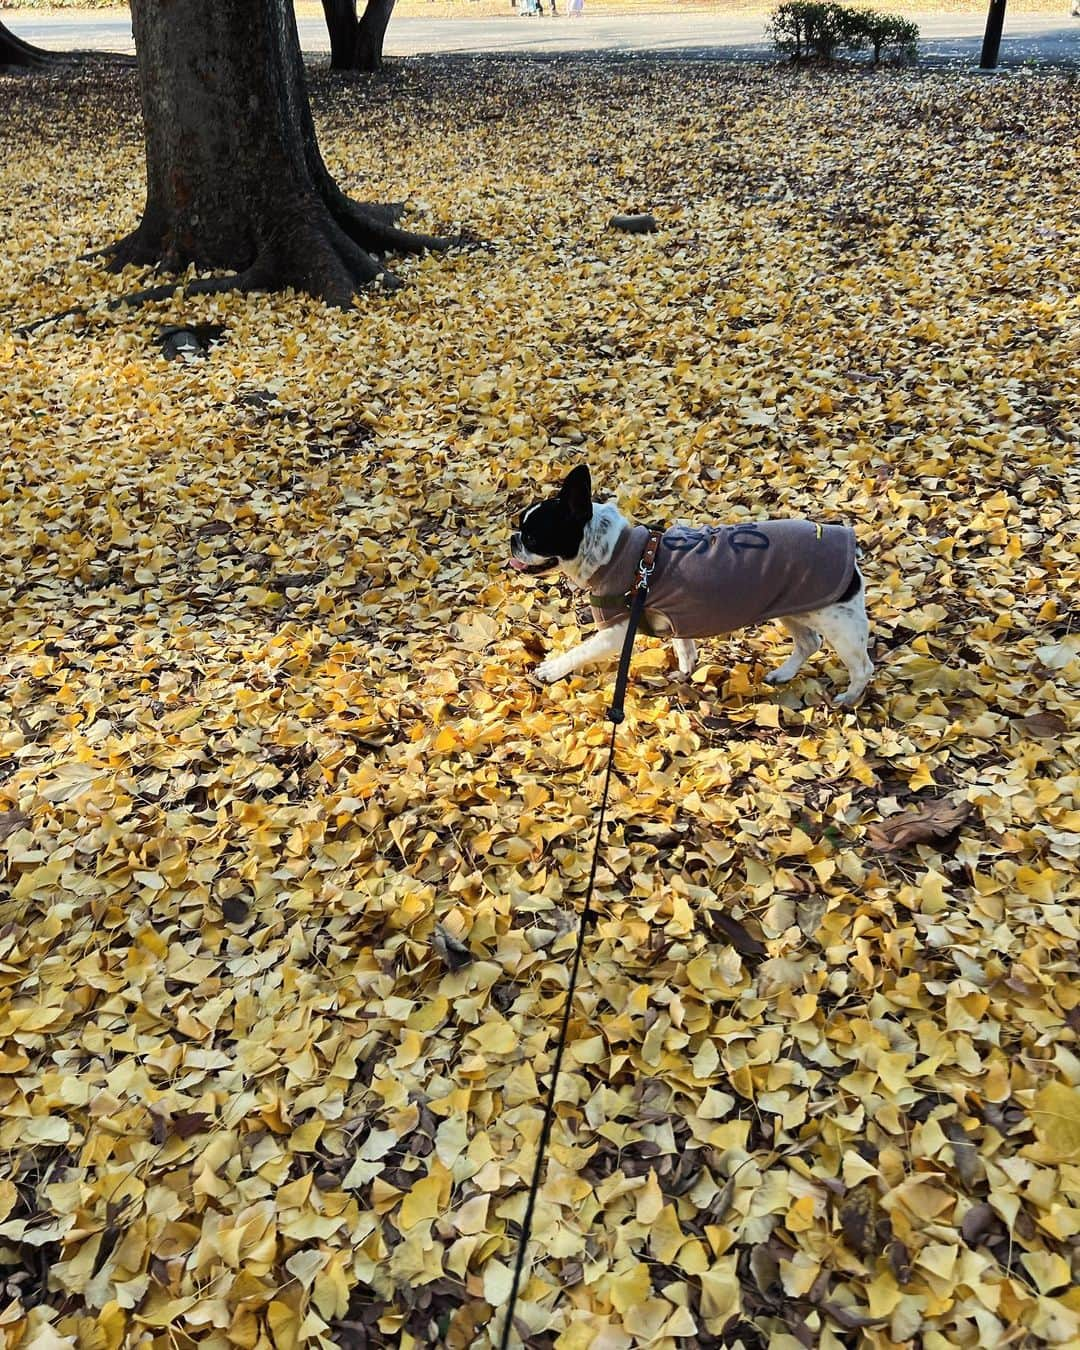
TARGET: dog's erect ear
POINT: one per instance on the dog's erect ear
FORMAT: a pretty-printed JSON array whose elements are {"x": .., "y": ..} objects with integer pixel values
[{"x": 576, "y": 494}]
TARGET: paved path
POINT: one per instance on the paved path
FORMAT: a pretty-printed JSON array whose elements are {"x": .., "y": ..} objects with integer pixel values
[{"x": 945, "y": 38}]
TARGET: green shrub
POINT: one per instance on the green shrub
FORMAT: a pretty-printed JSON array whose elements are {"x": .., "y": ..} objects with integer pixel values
[
  {"x": 892, "y": 37},
  {"x": 805, "y": 29},
  {"x": 791, "y": 26},
  {"x": 850, "y": 27},
  {"x": 813, "y": 28}
]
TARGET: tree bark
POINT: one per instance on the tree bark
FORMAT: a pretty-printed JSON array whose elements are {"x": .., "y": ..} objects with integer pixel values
[
  {"x": 235, "y": 179},
  {"x": 341, "y": 25},
  {"x": 370, "y": 34},
  {"x": 15, "y": 52}
]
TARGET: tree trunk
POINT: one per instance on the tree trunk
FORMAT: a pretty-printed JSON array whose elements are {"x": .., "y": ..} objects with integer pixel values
[
  {"x": 15, "y": 52},
  {"x": 370, "y": 33},
  {"x": 341, "y": 25},
  {"x": 357, "y": 45},
  {"x": 234, "y": 175}
]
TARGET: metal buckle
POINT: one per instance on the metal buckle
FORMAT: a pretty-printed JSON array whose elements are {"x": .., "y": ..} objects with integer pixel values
[{"x": 645, "y": 570}]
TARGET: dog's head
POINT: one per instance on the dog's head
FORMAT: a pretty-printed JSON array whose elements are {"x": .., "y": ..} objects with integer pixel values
[{"x": 551, "y": 532}]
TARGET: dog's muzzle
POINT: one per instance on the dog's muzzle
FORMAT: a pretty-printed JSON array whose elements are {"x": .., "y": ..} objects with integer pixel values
[{"x": 521, "y": 560}]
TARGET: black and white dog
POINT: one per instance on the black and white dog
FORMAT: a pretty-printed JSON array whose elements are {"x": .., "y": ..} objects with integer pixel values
[{"x": 707, "y": 581}]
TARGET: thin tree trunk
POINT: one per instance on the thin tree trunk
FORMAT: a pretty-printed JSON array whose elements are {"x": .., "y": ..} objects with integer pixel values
[
  {"x": 235, "y": 179},
  {"x": 341, "y": 25},
  {"x": 370, "y": 34},
  {"x": 15, "y": 52}
]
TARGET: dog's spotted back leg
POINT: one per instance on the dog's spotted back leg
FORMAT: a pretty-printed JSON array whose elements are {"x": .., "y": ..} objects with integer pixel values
[
  {"x": 845, "y": 629},
  {"x": 807, "y": 641},
  {"x": 685, "y": 654}
]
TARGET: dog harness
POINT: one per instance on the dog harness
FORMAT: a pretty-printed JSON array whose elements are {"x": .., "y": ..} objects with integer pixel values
[{"x": 718, "y": 578}]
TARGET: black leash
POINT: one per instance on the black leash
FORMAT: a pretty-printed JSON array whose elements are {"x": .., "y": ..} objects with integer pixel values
[{"x": 616, "y": 714}]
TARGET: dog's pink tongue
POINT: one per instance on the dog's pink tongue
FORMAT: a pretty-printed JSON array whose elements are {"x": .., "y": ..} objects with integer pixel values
[{"x": 516, "y": 564}]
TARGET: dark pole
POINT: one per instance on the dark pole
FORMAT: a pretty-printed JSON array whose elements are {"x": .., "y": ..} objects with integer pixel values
[{"x": 995, "y": 21}]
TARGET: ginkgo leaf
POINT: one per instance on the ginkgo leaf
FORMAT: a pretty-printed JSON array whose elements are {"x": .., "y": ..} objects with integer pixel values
[{"x": 1056, "y": 1116}]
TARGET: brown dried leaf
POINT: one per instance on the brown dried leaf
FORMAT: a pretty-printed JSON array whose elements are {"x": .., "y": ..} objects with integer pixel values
[
  {"x": 978, "y": 1223},
  {"x": 454, "y": 953},
  {"x": 10, "y": 821},
  {"x": 740, "y": 938},
  {"x": 932, "y": 820},
  {"x": 965, "y": 1153},
  {"x": 765, "y": 1267},
  {"x": 867, "y": 1228},
  {"x": 900, "y": 1261},
  {"x": 1045, "y": 724},
  {"x": 851, "y": 1321},
  {"x": 187, "y": 1123},
  {"x": 234, "y": 910}
]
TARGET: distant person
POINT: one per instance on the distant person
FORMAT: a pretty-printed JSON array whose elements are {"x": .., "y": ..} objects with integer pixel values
[{"x": 574, "y": 8}]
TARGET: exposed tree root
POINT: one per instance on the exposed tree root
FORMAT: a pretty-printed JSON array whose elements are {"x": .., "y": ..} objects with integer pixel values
[
  {"x": 15, "y": 54},
  {"x": 388, "y": 212},
  {"x": 365, "y": 226},
  {"x": 372, "y": 225},
  {"x": 309, "y": 251},
  {"x": 243, "y": 282},
  {"x": 240, "y": 281},
  {"x": 143, "y": 247},
  {"x": 379, "y": 235}
]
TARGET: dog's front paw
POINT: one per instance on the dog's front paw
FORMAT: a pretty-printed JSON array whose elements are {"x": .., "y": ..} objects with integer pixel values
[{"x": 551, "y": 670}]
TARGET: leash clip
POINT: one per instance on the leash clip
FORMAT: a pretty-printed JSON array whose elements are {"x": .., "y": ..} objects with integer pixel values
[{"x": 647, "y": 562}]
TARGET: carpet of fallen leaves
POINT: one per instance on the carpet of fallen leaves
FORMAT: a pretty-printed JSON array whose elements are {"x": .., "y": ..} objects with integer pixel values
[{"x": 293, "y": 850}]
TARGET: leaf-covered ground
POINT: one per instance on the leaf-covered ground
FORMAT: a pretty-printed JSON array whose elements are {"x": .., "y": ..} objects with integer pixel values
[{"x": 293, "y": 849}]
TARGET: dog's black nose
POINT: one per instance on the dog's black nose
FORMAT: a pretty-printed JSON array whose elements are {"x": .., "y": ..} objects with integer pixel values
[{"x": 515, "y": 539}]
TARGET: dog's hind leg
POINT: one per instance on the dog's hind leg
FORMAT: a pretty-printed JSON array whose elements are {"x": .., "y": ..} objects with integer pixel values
[
  {"x": 845, "y": 629},
  {"x": 807, "y": 641}
]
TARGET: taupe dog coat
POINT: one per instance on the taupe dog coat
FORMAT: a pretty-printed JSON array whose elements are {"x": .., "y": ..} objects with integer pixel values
[{"x": 718, "y": 578}]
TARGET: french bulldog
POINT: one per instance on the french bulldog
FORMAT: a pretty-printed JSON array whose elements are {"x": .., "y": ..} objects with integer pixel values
[{"x": 708, "y": 580}]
